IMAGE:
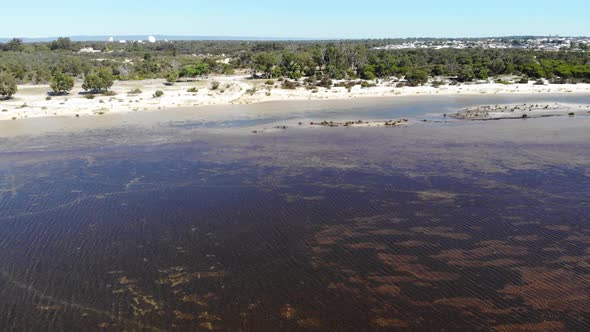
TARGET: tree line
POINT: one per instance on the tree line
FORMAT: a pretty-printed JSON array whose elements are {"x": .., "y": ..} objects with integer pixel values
[{"x": 57, "y": 61}]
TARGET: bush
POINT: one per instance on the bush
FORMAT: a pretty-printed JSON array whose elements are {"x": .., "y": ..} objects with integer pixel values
[
  {"x": 90, "y": 96},
  {"x": 134, "y": 92},
  {"x": 158, "y": 94},
  {"x": 270, "y": 82},
  {"x": 8, "y": 85},
  {"x": 417, "y": 77},
  {"x": 524, "y": 80},
  {"x": 325, "y": 82},
  {"x": 61, "y": 83},
  {"x": 539, "y": 82},
  {"x": 365, "y": 84},
  {"x": 437, "y": 84},
  {"x": 198, "y": 69},
  {"x": 290, "y": 85},
  {"x": 109, "y": 93},
  {"x": 172, "y": 77},
  {"x": 215, "y": 85},
  {"x": 369, "y": 73},
  {"x": 102, "y": 81},
  {"x": 192, "y": 90},
  {"x": 251, "y": 91},
  {"x": 558, "y": 80}
]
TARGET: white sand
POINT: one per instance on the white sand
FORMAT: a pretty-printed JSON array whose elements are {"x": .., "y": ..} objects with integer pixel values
[{"x": 30, "y": 101}]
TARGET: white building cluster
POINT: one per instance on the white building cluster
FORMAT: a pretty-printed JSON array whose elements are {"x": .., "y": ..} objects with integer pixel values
[
  {"x": 542, "y": 44},
  {"x": 150, "y": 39}
]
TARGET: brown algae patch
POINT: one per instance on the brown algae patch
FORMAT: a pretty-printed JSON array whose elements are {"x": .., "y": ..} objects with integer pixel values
[
  {"x": 444, "y": 232},
  {"x": 473, "y": 304},
  {"x": 383, "y": 322},
  {"x": 177, "y": 276},
  {"x": 487, "y": 253},
  {"x": 288, "y": 312},
  {"x": 532, "y": 327},
  {"x": 551, "y": 289},
  {"x": 141, "y": 304}
]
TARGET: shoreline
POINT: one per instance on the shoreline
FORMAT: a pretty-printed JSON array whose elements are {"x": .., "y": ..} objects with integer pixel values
[
  {"x": 521, "y": 111},
  {"x": 32, "y": 101}
]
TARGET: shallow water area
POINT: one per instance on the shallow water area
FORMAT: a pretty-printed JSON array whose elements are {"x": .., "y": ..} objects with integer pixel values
[{"x": 189, "y": 221}]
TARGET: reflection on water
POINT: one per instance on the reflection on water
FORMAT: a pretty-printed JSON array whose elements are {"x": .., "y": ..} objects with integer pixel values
[{"x": 455, "y": 227}]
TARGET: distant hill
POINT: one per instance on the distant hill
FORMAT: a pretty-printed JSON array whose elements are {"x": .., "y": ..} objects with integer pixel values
[{"x": 145, "y": 37}]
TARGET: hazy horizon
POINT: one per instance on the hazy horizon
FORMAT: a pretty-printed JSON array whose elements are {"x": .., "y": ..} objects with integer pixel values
[
  {"x": 131, "y": 37},
  {"x": 373, "y": 19}
]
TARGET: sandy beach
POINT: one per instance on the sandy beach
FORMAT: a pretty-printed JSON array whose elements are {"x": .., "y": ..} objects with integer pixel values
[{"x": 33, "y": 101}]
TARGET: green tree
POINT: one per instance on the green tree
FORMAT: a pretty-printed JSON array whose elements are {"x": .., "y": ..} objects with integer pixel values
[
  {"x": 482, "y": 73},
  {"x": 264, "y": 62},
  {"x": 106, "y": 76},
  {"x": 8, "y": 85},
  {"x": 290, "y": 65},
  {"x": 198, "y": 69},
  {"x": 172, "y": 77},
  {"x": 15, "y": 45},
  {"x": 466, "y": 74},
  {"x": 61, "y": 44},
  {"x": 417, "y": 77},
  {"x": 369, "y": 72},
  {"x": 92, "y": 82},
  {"x": 61, "y": 83}
]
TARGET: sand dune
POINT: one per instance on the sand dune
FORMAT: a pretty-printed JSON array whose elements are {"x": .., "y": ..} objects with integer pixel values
[{"x": 32, "y": 100}]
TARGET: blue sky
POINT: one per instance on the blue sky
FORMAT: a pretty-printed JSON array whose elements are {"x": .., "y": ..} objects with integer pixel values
[{"x": 301, "y": 18}]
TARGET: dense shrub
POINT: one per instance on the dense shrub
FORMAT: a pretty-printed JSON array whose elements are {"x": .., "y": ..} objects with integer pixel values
[
  {"x": 417, "y": 77},
  {"x": 8, "y": 85},
  {"x": 290, "y": 85}
]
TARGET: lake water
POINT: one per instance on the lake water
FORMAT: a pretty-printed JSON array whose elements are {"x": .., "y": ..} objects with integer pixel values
[{"x": 181, "y": 221}]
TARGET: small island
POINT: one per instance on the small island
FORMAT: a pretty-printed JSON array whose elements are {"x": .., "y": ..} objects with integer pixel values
[{"x": 521, "y": 111}]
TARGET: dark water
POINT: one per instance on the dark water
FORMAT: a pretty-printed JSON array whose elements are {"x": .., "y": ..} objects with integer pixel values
[{"x": 442, "y": 227}]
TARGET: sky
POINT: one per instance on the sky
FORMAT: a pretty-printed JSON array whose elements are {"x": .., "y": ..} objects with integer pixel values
[{"x": 342, "y": 19}]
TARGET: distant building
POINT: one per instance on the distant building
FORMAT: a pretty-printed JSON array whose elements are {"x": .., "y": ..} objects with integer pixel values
[{"x": 89, "y": 50}]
